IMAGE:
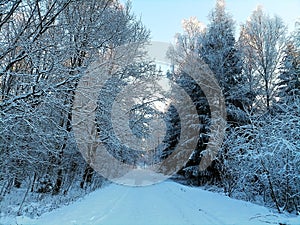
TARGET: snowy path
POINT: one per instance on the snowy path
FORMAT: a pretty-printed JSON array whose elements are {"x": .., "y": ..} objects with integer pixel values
[{"x": 161, "y": 204}]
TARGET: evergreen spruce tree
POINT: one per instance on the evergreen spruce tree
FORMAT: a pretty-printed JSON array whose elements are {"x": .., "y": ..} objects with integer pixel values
[
  {"x": 289, "y": 78},
  {"x": 220, "y": 53}
]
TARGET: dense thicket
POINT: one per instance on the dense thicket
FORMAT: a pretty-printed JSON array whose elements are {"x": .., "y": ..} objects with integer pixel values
[
  {"x": 259, "y": 77},
  {"x": 45, "y": 48}
]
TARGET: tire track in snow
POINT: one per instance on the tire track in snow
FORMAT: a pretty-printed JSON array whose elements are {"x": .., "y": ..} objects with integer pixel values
[
  {"x": 110, "y": 208},
  {"x": 210, "y": 218}
]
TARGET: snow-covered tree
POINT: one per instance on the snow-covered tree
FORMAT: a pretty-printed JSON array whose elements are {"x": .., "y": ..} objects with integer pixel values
[
  {"x": 219, "y": 51},
  {"x": 261, "y": 161},
  {"x": 122, "y": 121},
  {"x": 266, "y": 37},
  {"x": 45, "y": 49},
  {"x": 289, "y": 78},
  {"x": 187, "y": 44}
]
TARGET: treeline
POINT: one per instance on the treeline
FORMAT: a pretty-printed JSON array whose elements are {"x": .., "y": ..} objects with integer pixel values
[
  {"x": 46, "y": 46},
  {"x": 259, "y": 74}
]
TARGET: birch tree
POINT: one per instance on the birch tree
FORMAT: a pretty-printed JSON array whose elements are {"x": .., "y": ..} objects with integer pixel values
[{"x": 266, "y": 36}]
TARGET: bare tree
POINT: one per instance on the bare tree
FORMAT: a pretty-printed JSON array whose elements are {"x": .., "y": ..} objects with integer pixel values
[
  {"x": 266, "y": 37},
  {"x": 45, "y": 49}
]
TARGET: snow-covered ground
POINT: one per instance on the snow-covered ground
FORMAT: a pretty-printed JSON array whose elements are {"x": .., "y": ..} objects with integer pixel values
[{"x": 164, "y": 203}]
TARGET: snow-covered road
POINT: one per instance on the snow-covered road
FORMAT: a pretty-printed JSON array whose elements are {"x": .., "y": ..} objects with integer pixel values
[{"x": 160, "y": 204}]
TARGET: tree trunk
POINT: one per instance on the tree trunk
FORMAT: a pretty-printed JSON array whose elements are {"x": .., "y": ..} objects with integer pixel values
[
  {"x": 58, "y": 182},
  {"x": 87, "y": 176}
]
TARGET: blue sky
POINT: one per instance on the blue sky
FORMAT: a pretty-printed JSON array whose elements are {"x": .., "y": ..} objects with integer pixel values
[{"x": 163, "y": 17}]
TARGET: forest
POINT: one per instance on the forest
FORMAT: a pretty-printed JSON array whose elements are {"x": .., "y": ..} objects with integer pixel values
[{"x": 47, "y": 46}]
